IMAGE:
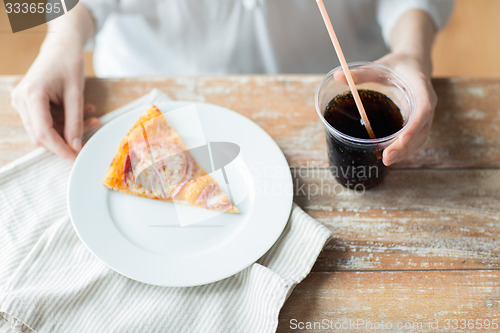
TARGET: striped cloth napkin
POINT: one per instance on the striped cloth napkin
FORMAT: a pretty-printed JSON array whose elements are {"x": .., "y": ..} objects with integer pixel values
[{"x": 50, "y": 282}]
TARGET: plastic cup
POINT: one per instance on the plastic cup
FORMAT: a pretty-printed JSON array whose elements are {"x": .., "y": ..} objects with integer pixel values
[{"x": 356, "y": 163}]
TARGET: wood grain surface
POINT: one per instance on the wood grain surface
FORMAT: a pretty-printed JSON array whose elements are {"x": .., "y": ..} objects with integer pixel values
[
  {"x": 465, "y": 132},
  {"x": 395, "y": 301},
  {"x": 421, "y": 248}
]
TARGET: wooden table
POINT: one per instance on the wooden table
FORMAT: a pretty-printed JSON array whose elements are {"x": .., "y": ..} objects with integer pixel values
[{"x": 418, "y": 251}]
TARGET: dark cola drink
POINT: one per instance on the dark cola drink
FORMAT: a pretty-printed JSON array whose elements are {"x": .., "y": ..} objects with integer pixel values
[{"x": 355, "y": 159}]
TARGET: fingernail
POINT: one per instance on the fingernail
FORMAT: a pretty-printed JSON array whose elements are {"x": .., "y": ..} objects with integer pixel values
[
  {"x": 77, "y": 144},
  {"x": 393, "y": 156}
]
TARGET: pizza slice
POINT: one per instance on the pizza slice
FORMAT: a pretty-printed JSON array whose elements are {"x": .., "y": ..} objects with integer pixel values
[{"x": 153, "y": 162}]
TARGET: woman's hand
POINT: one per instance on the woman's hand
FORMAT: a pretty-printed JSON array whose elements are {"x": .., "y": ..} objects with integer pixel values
[
  {"x": 49, "y": 98},
  {"x": 411, "y": 44},
  {"x": 418, "y": 130}
]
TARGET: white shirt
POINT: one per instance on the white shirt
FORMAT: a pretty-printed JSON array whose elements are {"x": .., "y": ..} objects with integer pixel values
[{"x": 191, "y": 37}]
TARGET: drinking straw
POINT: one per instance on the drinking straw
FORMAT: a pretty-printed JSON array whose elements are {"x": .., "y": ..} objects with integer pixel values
[{"x": 347, "y": 72}]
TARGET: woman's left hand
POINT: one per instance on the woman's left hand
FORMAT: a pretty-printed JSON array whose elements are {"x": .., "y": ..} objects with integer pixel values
[{"x": 414, "y": 137}]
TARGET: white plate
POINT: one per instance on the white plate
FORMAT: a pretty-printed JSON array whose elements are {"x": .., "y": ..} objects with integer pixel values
[{"x": 142, "y": 238}]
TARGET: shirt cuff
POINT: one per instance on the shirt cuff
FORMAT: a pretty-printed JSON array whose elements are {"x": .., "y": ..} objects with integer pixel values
[{"x": 389, "y": 12}]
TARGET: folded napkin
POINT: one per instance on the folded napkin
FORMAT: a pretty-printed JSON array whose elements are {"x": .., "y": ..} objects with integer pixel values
[{"x": 50, "y": 282}]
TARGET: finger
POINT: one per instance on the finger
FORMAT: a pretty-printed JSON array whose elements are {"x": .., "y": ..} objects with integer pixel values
[
  {"x": 20, "y": 106},
  {"x": 44, "y": 134},
  {"x": 396, "y": 156},
  {"x": 402, "y": 148},
  {"x": 88, "y": 110},
  {"x": 406, "y": 146},
  {"x": 90, "y": 124},
  {"x": 73, "y": 116},
  {"x": 424, "y": 111},
  {"x": 420, "y": 124}
]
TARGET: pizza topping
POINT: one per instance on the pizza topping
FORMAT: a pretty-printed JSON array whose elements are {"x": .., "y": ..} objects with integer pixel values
[
  {"x": 166, "y": 178},
  {"x": 128, "y": 166},
  {"x": 212, "y": 197}
]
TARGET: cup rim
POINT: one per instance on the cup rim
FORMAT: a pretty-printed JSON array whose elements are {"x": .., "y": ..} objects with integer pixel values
[{"x": 381, "y": 68}]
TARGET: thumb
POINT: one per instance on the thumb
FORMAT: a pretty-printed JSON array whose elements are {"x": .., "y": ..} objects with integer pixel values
[{"x": 73, "y": 116}]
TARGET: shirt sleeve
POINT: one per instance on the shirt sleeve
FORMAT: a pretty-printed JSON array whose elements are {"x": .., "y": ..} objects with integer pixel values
[
  {"x": 100, "y": 10},
  {"x": 389, "y": 12}
]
